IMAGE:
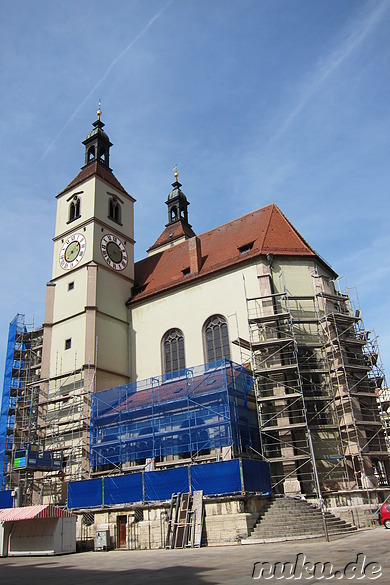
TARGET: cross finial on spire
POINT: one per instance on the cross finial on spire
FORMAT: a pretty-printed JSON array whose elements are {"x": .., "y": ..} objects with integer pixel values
[
  {"x": 175, "y": 174},
  {"x": 99, "y": 113}
]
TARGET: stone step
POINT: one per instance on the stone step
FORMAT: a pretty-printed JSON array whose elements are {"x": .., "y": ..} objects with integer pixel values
[
  {"x": 299, "y": 530},
  {"x": 288, "y": 519},
  {"x": 317, "y": 520},
  {"x": 281, "y": 534}
]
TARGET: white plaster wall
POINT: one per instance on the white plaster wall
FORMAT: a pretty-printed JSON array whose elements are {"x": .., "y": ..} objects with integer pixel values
[
  {"x": 295, "y": 274},
  {"x": 189, "y": 308},
  {"x": 73, "y": 358},
  {"x": 112, "y": 345},
  {"x": 70, "y": 302}
]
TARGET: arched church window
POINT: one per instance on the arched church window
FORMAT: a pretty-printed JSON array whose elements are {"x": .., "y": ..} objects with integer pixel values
[
  {"x": 114, "y": 210},
  {"x": 74, "y": 208},
  {"x": 172, "y": 346},
  {"x": 173, "y": 213},
  {"x": 216, "y": 339}
]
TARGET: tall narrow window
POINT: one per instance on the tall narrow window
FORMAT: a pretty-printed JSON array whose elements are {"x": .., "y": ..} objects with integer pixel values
[
  {"x": 216, "y": 339},
  {"x": 74, "y": 208},
  {"x": 173, "y": 351},
  {"x": 114, "y": 210}
]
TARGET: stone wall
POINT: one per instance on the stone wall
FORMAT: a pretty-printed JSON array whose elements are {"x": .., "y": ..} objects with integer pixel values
[{"x": 226, "y": 521}]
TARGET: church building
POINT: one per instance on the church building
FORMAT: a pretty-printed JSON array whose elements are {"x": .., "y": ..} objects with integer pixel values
[{"x": 249, "y": 301}]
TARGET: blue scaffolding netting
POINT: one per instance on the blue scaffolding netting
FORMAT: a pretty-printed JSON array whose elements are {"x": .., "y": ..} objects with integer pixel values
[
  {"x": 193, "y": 410},
  {"x": 12, "y": 383}
]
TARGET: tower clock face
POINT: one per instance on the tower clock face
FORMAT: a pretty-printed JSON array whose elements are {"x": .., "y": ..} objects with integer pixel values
[
  {"x": 72, "y": 251},
  {"x": 113, "y": 252}
]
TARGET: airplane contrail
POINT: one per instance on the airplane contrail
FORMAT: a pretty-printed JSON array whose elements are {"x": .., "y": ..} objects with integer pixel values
[
  {"x": 105, "y": 75},
  {"x": 362, "y": 28}
]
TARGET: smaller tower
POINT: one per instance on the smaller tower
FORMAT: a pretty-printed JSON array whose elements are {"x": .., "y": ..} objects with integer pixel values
[
  {"x": 177, "y": 229},
  {"x": 177, "y": 202}
]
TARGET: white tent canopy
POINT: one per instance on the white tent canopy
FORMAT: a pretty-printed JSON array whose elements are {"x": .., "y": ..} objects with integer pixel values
[{"x": 37, "y": 530}]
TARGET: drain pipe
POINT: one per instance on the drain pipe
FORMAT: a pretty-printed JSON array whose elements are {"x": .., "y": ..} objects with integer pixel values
[{"x": 318, "y": 486}]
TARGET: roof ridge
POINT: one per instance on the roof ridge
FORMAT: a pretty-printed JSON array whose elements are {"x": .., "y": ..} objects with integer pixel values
[
  {"x": 235, "y": 220},
  {"x": 269, "y": 223}
]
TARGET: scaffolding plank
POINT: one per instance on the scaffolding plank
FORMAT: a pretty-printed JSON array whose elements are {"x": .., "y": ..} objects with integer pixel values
[{"x": 197, "y": 507}]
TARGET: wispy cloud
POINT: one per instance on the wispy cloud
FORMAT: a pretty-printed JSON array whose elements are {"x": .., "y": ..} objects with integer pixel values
[
  {"x": 106, "y": 74},
  {"x": 361, "y": 27}
]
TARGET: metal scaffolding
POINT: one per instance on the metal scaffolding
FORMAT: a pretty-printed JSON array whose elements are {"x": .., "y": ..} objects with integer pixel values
[
  {"x": 318, "y": 377},
  {"x": 19, "y": 421}
]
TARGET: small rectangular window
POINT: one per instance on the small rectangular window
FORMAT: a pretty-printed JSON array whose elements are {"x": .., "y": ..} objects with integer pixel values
[
  {"x": 186, "y": 271},
  {"x": 71, "y": 286},
  {"x": 68, "y": 343}
]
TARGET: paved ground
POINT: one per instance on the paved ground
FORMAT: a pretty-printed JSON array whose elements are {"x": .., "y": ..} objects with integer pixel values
[{"x": 214, "y": 565}]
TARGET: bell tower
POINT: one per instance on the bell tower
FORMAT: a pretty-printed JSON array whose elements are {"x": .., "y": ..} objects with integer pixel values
[
  {"x": 177, "y": 203},
  {"x": 86, "y": 337},
  {"x": 177, "y": 229}
]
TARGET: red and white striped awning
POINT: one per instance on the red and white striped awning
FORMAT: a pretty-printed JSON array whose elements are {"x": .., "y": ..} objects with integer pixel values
[{"x": 33, "y": 513}]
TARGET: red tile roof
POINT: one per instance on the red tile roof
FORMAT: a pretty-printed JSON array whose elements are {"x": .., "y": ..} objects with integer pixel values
[
  {"x": 95, "y": 169},
  {"x": 173, "y": 232},
  {"x": 265, "y": 231}
]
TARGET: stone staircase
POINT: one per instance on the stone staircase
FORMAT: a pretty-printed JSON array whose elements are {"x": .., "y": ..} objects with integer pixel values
[{"x": 291, "y": 519}]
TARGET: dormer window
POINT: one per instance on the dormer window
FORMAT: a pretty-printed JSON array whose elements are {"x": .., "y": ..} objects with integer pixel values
[
  {"x": 74, "y": 208},
  {"x": 246, "y": 248},
  {"x": 114, "y": 210}
]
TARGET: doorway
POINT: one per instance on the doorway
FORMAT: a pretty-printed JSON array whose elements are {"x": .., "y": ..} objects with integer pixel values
[{"x": 121, "y": 523}]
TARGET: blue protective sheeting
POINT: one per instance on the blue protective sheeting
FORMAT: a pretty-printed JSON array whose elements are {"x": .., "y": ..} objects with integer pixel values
[
  {"x": 6, "y": 499},
  {"x": 217, "y": 478},
  {"x": 160, "y": 485},
  {"x": 85, "y": 494},
  {"x": 123, "y": 489},
  {"x": 193, "y": 410},
  {"x": 256, "y": 476},
  {"x": 5, "y": 422}
]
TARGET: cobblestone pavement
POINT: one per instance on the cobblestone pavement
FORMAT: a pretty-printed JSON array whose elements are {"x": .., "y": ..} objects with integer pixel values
[{"x": 212, "y": 565}]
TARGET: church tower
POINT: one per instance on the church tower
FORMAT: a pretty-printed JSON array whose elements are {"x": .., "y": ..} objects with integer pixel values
[
  {"x": 177, "y": 229},
  {"x": 86, "y": 337}
]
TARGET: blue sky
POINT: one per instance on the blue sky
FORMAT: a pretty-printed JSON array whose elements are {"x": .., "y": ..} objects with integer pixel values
[{"x": 258, "y": 101}]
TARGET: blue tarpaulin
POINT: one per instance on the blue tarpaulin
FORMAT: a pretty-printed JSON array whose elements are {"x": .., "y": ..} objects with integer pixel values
[
  {"x": 160, "y": 485},
  {"x": 85, "y": 494},
  {"x": 256, "y": 476},
  {"x": 6, "y": 499},
  {"x": 123, "y": 489},
  {"x": 217, "y": 478},
  {"x": 227, "y": 477}
]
